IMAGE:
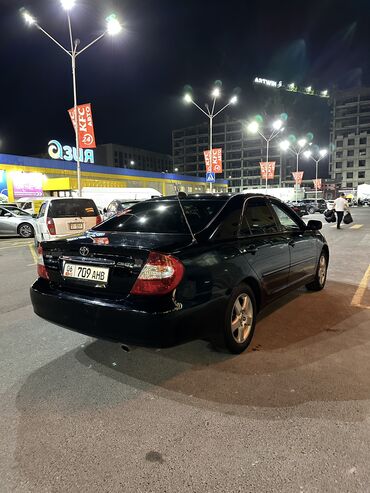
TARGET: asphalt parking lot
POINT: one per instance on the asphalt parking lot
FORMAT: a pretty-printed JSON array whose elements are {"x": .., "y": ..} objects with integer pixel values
[{"x": 290, "y": 414}]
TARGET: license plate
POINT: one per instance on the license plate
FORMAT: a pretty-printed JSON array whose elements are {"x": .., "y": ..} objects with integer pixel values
[
  {"x": 86, "y": 272},
  {"x": 74, "y": 226}
]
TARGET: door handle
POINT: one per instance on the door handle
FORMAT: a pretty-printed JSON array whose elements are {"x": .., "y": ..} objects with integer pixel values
[{"x": 250, "y": 249}]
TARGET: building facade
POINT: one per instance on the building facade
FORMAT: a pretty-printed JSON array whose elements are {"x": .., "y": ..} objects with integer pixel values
[
  {"x": 350, "y": 138},
  {"x": 242, "y": 154},
  {"x": 22, "y": 176},
  {"x": 121, "y": 156}
]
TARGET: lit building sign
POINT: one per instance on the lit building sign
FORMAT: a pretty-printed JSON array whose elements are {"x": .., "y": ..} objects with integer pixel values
[
  {"x": 267, "y": 82},
  {"x": 67, "y": 153},
  {"x": 27, "y": 184},
  {"x": 3, "y": 187}
]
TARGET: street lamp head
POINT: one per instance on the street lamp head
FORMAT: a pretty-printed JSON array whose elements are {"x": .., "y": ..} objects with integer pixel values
[
  {"x": 307, "y": 154},
  {"x": 325, "y": 93},
  {"x": 284, "y": 145},
  {"x": 323, "y": 152},
  {"x": 30, "y": 20},
  {"x": 68, "y": 4},
  {"x": 132, "y": 163},
  {"x": 216, "y": 93},
  {"x": 277, "y": 124},
  {"x": 302, "y": 142},
  {"x": 113, "y": 25},
  {"x": 234, "y": 100},
  {"x": 176, "y": 170},
  {"x": 188, "y": 98},
  {"x": 253, "y": 127}
]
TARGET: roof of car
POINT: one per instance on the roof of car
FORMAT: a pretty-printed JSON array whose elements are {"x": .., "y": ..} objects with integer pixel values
[{"x": 211, "y": 196}]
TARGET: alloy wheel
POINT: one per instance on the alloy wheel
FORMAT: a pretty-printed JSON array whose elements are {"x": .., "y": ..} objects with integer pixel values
[
  {"x": 242, "y": 318},
  {"x": 25, "y": 231},
  {"x": 322, "y": 270}
]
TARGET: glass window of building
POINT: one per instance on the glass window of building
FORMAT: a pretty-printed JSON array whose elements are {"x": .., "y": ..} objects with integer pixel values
[
  {"x": 361, "y": 174},
  {"x": 349, "y": 174},
  {"x": 338, "y": 165},
  {"x": 349, "y": 164},
  {"x": 339, "y": 154},
  {"x": 340, "y": 143},
  {"x": 362, "y": 152},
  {"x": 362, "y": 162},
  {"x": 351, "y": 142},
  {"x": 363, "y": 140},
  {"x": 349, "y": 184},
  {"x": 351, "y": 153}
]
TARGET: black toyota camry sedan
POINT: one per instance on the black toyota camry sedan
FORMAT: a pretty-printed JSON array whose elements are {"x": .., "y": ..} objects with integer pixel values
[{"x": 176, "y": 268}]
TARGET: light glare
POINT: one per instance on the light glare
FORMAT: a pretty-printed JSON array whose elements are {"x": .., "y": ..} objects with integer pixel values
[
  {"x": 216, "y": 92},
  {"x": 234, "y": 100},
  {"x": 67, "y": 4},
  {"x": 284, "y": 145},
  {"x": 188, "y": 98},
  {"x": 28, "y": 17},
  {"x": 307, "y": 154},
  {"x": 323, "y": 152},
  {"x": 113, "y": 25},
  {"x": 253, "y": 127},
  {"x": 302, "y": 142},
  {"x": 277, "y": 124}
]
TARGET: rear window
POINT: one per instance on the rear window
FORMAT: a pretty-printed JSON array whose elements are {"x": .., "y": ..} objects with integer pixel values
[
  {"x": 164, "y": 217},
  {"x": 72, "y": 208}
]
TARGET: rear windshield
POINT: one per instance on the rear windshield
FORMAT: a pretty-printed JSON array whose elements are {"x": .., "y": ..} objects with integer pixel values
[
  {"x": 72, "y": 208},
  {"x": 164, "y": 217}
]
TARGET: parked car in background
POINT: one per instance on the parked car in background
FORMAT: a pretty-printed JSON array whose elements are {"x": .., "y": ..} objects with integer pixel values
[
  {"x": 15, "y": 222},
  {"x": 31, "y": 205},
  {"x": 330, "y": 205},
  {"x": 312, "y": 206},
  {"x": 298, "y": 208},
  {"x": 117, "y": 206},
  {"x": 61, "y": 217},
  {"x": 173, "y": 269}
]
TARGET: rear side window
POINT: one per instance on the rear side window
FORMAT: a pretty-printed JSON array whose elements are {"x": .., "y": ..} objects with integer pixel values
[
  {"x": 164, "y": 217},
  {"x": 258, "y": 218},
  {"x": 72, "y": 208}
]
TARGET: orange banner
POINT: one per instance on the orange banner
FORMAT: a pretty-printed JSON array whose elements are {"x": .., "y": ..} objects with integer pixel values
[
  {"x": 86, "y": 136},
  {"x": 317, "y": 183},
  {"x": 216, "y": 165},
  {"x": 268, "y": 169},
  {"x": 298, "y": 177}
]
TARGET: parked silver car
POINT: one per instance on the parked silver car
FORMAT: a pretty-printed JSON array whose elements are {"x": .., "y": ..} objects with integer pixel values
[{"x": 15, "y": 222}]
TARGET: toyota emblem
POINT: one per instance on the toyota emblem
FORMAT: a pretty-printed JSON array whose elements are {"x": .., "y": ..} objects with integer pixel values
[{"x": 84, "y": 251}]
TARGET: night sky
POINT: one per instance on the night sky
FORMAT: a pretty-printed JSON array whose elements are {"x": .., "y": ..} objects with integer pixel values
[{"x": 135, "y": 81}]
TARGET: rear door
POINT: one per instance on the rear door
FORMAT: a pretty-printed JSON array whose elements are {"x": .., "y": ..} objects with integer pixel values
[
  {"x": 302, "y": 244},
  {"x": 265, "y": 247},
  {"x": 7, "y": 224},
  {"x": 72, "y": 215}
]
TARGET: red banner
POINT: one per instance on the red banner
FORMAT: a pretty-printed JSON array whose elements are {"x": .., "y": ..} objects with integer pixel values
[
  {"x": 298, "y": 177},
  {"x": 216, "y": 165},
  {"x": 317, "y": 183},
  {"x": 86, "y": 136},
  {"x": 268, "y": 170}
]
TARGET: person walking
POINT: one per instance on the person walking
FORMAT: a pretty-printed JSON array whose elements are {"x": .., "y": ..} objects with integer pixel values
[{"x": 340, "y": 205}]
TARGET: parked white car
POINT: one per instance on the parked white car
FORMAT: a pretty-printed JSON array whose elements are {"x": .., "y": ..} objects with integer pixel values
[{"x": 62, "y": 217}]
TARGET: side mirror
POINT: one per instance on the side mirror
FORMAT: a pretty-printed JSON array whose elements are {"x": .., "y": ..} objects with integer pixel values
[{"x": 313, "y": 225}]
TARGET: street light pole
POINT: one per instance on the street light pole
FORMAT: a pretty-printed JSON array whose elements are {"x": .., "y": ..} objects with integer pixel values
[
  {"x": 113, "y": 27},
  {"x": 253, "y": 128},
  {"x": 285, "y": 145},
  {"x": 322, "y": 153},
  {"x": 210, "y": 114}
]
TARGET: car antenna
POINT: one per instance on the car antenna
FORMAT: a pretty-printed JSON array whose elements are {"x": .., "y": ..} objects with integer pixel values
[{"x": 181, "y": 195}]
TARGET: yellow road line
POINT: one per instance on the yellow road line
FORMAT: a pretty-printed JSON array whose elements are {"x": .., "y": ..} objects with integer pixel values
[
  {"x": 356, "y": 226},
  {"x": 33, "y": 253},
  {"x": 15, "y": 246},
  {"x": 357, "y": 298}
]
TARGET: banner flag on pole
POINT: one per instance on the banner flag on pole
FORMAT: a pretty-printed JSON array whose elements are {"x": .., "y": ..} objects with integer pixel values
[
  {"x": 298, "y": 177},
  {"x": 216, "y": 165},
  {"x": 86, "y": 135},
  {"x": 268, "y": 170},
  {"x": 317, "y": 183}
]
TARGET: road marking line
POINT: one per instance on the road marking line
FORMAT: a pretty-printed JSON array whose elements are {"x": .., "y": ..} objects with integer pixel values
[
  {"x": 357, "y": 298},
  {"x": 356, "y": 226},
  {"x": 33, "y": 253},
  {"x": 14, "y": 246}
]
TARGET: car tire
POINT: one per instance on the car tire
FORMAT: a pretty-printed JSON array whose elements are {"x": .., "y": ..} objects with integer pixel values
[
  {"x": 311, "y": 210},
  {"x": 240, "y": 320},
  {"x": 25, "y": 230},
  {"x": 321, "y": 273}
]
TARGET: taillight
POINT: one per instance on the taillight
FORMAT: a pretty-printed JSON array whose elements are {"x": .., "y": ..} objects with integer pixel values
[
  {"x": 51, "y": 225},
  {"x": 98, "y": 219},
  {"x": 41, "y": 269},
  {"x": 160, "y": 275}
]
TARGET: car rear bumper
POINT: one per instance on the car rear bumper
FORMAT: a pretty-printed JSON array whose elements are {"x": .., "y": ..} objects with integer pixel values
[{"x": 106, "y": 319}]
